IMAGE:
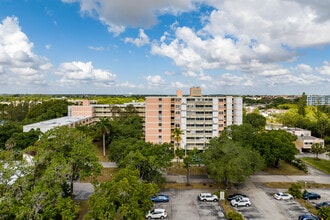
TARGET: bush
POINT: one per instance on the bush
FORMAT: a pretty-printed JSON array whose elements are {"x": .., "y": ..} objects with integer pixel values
[
  {"x": 299, "y": 164},
  {"x": 234, "y": 216},
  {"x": 295, "y": 190},
  {"x": 324, "y": 213}
]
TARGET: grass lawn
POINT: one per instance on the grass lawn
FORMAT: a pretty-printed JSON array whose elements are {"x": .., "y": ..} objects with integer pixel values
[
  {"x": 284, "y": 169},
  {"x": 99, "y": 152},
  {"x": 320, "y": 164},
  {"x": 286, "y": 185}
]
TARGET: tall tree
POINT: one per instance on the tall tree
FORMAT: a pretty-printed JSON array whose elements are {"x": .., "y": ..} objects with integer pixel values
[
  {"x": 302, "y": 103},
  {"x": 70, "y": 146},
  {"x": 7, "y": 130},
  {"x": 148, "y": 158},
  {"x": 227, "y": 161},
  {"x": 276, "y": 145},
  {"x": 245, "y": 134},
  {"x": 104, "y": 126},
  {"x": 123, "y": 197},
  {"x": 256, "y": 120},
  {"x": 28, "y": 195}
]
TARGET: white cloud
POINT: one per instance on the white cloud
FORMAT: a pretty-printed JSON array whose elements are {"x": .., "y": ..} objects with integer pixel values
[
  {"x": 275, "y": 72},
  {"x": 76, "y": 73},
  {"x": 179, "y": 85},
  {"x": 48, "y": 46},
  {"x": 118, "y": 14},
  {"x": 155, "y": 81},
  {"x": 96, "y": 48},
  {"x": 141, "y": 40},
  {"x": 325, "y": 69},
  {"x": 304, "y": 68},
  {"x": 18, "y": 63},
  {"x": 239, "y": 36}
]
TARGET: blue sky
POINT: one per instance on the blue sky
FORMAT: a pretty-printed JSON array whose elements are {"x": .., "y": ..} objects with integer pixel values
[{"x": 243, "y": 47}]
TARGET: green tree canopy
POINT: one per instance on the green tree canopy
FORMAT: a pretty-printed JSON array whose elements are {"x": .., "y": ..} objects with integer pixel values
[
  {"x": 150, "y": 159},
  {"x": 7, "y": 130},
  {"x": 47, "y": 110},
  {"x": 244, "y": 134},
  {"x": 317, "y": 149},
  {"x": 229, "y": 162},
  {"x": 28, "y": 195},
  {"x": 72, "y": 148},
  {"x": 276, "y": 145},
  {"x": 124, "y": 197},
  {"x": 255, "y": 120},
  {"x": 14, "y": 111}
]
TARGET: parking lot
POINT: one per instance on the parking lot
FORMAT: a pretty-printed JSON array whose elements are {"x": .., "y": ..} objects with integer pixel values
[
  {"x": 183, "y": 204},
  {"x": 264, "y": 206}
]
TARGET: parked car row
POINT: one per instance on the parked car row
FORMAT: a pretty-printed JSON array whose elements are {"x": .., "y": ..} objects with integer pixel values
[
  {"x": 287, "y": 196},
  {"x": 239, "y": 199},
  {"x": 158, "y": 213}
]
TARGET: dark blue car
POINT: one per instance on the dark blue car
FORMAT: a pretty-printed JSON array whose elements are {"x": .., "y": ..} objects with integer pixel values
[
  {"x": 322, "y": 204},
  {"x": 160, "y": 198},
  {"x": 308, "y": 217},
  {"x": 311, "y": 195}
]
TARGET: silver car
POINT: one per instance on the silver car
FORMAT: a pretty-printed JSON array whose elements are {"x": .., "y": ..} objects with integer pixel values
[{"x": 156, "y": 214}]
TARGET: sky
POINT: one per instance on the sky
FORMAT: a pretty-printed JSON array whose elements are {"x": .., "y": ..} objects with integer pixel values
[{"x": 234, "y": 47}]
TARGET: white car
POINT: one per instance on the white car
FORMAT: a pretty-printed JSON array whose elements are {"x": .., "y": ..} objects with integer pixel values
[
  {"x": 283, "y": 196},
  {"x": 243, "y": 201},
  {"x": 156, "y": 213},
  {"x": 208, "y": 197}
]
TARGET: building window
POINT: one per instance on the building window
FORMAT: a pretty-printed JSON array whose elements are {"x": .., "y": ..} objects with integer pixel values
[
  {"x": 160, "y": 99},
  {"x": 159, "y": 124},
  {"x": 177, "y": 112},
  {"x": 177, "y": 125},
  {"x": 159, "y": 130}
]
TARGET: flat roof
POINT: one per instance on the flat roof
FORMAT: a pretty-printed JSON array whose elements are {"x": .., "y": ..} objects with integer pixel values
[{"x": 49, "y": 124}]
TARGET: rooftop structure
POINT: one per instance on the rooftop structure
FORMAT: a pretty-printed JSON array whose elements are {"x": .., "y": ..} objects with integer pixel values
[{"x": 63, "y": 121}]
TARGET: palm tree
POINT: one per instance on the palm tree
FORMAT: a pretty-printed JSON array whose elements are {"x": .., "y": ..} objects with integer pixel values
[
  {"x": 104, "y": 126},
  {"x": 176, "y": 135}
]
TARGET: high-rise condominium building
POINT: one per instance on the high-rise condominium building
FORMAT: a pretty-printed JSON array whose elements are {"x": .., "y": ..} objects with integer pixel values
[
  {"x": 315, "y": 100},
  {"x": 199, "y": 117}
]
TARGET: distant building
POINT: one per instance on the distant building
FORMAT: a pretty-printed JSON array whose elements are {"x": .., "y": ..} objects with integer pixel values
[
  {"x": 200, "y": 118},
  {"x": 57, "y": 122},
  {"x": 304, "y": 140},
  {"x": 314, "y": 100},
  {"x": 104, "y": 110}
]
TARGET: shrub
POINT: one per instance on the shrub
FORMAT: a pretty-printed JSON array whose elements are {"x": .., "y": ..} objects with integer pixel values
[
  {"x": 324, "y": 213},
  {"x": 299, "y": 164},
  {"x": 295, "y": 190},
  {"x": 234, "y": 216}
]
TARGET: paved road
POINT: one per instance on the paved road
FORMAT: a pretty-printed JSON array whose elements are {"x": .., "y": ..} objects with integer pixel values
[{"x": 84, "y": 190}]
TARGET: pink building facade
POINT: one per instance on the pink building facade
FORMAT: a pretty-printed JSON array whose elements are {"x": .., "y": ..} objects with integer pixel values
[{"x": 200, "y": 118}]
